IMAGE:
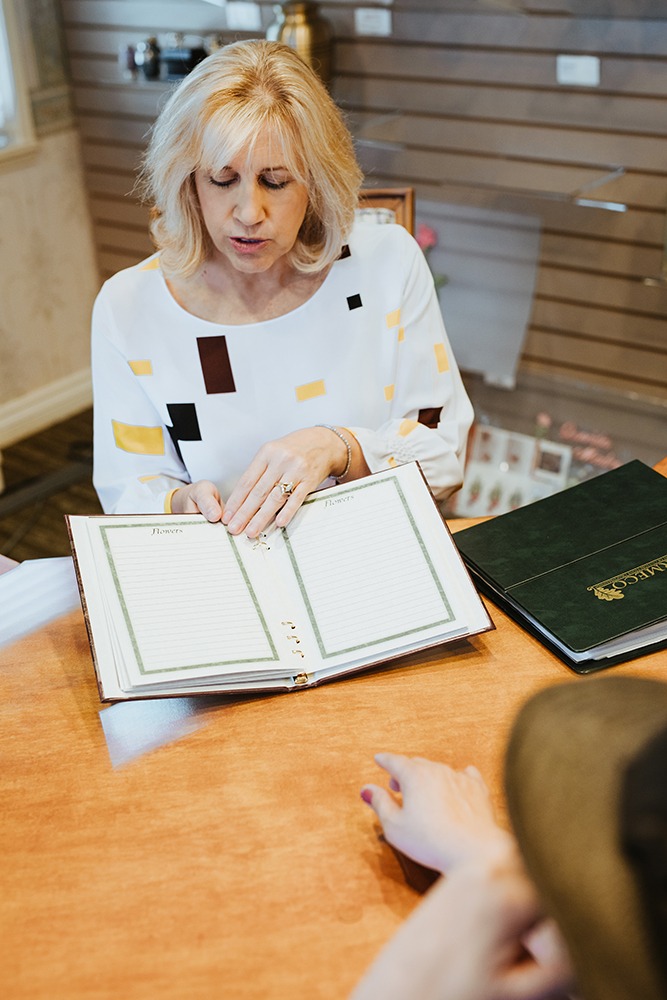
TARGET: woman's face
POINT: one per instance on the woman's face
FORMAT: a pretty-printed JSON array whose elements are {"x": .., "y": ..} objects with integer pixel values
[{"x": 253, "y": 209}]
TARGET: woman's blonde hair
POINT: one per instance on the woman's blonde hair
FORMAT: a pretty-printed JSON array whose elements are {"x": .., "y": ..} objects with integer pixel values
[{"x": 218, "y": 111}]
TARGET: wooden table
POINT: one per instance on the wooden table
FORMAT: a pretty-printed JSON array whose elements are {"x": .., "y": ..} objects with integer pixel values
[{"x": 237, "y": 861}]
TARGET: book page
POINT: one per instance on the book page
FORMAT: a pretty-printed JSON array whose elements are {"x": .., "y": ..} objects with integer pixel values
[
  {"x": 366, "y": 571},
  {"x": 185, "y": 598}
]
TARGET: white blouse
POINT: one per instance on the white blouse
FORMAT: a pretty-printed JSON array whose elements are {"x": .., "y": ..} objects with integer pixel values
[{"x": 178, "y": 398}]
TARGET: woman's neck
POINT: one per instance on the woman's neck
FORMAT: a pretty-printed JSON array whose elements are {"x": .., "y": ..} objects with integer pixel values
[{"x": 234, "y": 299}]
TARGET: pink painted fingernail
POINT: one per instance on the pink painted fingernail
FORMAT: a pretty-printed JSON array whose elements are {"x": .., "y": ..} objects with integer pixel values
[{"x": 367, "y": 795}]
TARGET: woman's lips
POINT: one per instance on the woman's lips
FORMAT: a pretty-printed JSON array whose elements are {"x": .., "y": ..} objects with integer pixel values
[{"x": 247, "y": 245}]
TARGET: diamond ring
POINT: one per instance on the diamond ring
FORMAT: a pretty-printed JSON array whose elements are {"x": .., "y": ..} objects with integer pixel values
[{"x": 286, "y": 488}]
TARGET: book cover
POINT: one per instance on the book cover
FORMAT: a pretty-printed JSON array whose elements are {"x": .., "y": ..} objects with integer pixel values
[{"x": 583, "y": 569}]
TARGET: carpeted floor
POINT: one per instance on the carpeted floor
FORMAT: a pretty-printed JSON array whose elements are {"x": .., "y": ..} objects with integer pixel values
[{"x": 46, "y": 476}]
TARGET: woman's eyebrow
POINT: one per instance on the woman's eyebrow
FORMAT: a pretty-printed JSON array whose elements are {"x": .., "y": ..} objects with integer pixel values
[{"x": 264, "y": 170}]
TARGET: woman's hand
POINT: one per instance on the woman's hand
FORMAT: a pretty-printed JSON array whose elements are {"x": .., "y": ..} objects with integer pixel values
[
  {"x": 463, "y": 942},
  {"x": 445, "y": 818},
  {"x": 200, "y": 497},
  {"x": 301, "y": 461}
]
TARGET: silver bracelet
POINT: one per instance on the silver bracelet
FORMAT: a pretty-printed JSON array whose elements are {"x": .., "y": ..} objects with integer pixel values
[{"x": 347, "y": 445}]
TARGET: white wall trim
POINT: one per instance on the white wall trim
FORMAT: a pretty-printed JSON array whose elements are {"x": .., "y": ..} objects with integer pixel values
[{"x": 36, "y": 410}]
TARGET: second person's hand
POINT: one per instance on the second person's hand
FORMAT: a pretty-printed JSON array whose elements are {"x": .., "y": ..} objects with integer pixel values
[{"x": 443, "y": 818}]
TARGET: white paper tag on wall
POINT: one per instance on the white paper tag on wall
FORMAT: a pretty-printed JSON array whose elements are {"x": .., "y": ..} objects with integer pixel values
[
  {"x": 372, "y": 21},
  {"x": 578, "y": 71}
]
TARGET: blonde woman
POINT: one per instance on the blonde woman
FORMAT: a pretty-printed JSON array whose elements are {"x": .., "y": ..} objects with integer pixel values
[{"x": 271, "y": 345}]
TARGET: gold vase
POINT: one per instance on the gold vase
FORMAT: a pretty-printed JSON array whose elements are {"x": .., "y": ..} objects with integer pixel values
[{"x": 302, "y": 28}]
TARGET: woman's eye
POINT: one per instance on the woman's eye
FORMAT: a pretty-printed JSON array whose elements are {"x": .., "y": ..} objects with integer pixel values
[
  {"x": 269, "y": 182},
  {"x": 273, "y": 184}
]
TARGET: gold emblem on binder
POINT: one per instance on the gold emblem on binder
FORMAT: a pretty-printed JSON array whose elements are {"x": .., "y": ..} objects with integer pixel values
[
  {"x": 606, "y": 593},
  {"x": 613, "y": 589}
]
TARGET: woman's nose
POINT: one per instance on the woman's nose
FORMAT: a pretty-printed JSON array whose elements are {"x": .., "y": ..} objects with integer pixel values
[{"x": 249, "y": 208}]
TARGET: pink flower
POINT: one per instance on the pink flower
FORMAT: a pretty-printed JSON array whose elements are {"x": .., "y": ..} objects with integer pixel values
[{"x": 426, "y": 236}]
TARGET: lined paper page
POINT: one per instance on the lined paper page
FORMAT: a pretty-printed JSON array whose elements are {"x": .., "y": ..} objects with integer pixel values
[
  {"x": 186, "y": 601},
  {"x": 363, "y": 568}
]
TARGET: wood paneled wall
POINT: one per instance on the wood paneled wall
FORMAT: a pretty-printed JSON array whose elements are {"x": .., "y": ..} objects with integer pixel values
[{"x": 463, "y": 104}]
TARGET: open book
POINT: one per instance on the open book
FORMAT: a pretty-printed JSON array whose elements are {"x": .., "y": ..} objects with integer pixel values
[{"x": 365, "y": 572}]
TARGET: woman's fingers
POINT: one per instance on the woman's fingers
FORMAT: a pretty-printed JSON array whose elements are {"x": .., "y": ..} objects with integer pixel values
[
  {"x": 381, "y": 802},
  {"x": 279, "y": 479},
  {"x": 200, "y": 497},
  {"x": 278, "y": 505},
  {"x": 397, "y": 765},
  {"x": 265, "y": 500},
  {"x": 263, "y": 491}
]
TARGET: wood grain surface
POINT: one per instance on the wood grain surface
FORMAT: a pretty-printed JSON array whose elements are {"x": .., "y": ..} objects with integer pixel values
[{"x": 237, "y": 861}]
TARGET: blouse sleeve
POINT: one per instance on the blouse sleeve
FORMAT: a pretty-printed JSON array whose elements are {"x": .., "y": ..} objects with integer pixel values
[
  {"x": 135, "y": 463},
  {"x": 431, "y": 414}
]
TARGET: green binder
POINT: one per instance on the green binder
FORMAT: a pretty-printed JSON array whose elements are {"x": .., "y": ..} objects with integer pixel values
[{"x": 584, "y": 570}]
